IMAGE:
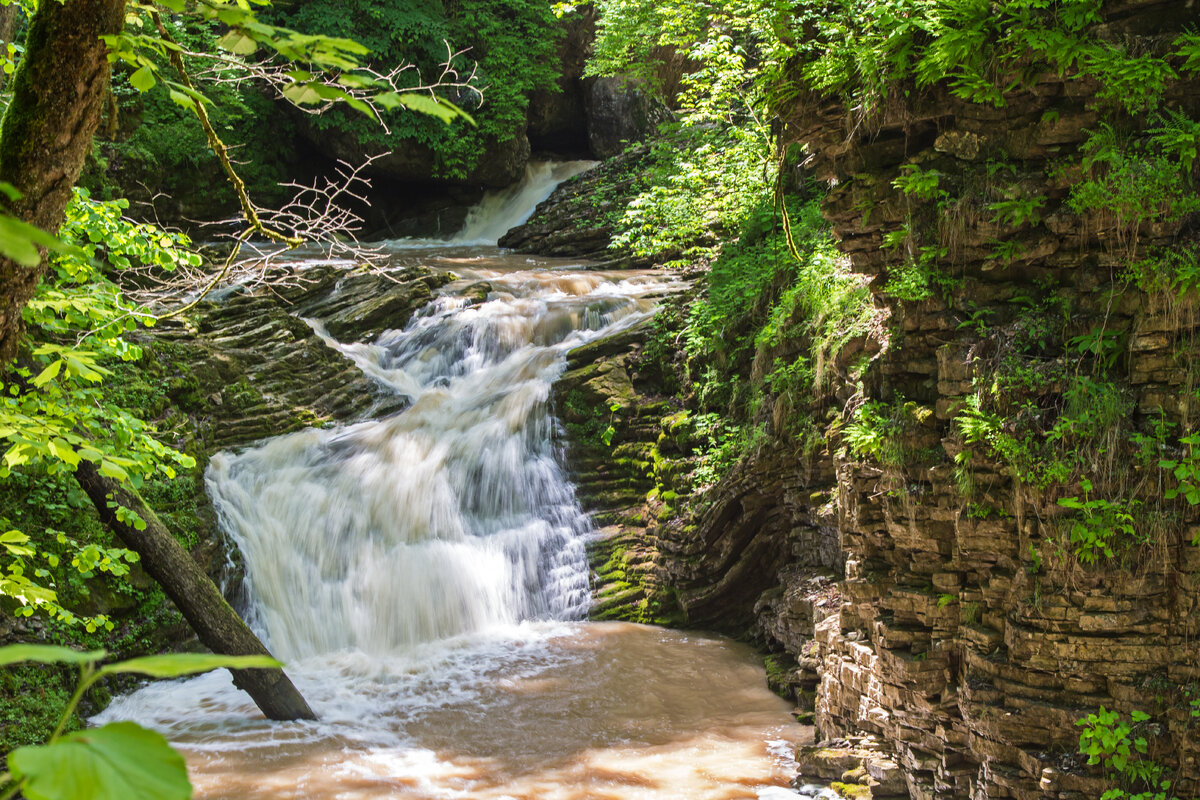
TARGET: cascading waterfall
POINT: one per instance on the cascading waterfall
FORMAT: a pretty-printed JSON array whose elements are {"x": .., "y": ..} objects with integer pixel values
[
  {"x": 447, "y": 518},
  {"x": 420, "y": 575}
]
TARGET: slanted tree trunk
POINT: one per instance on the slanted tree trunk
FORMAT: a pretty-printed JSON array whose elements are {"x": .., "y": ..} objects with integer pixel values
[
  {"x": 193, "y": 592},
  {"x": 58, "y": 94}
]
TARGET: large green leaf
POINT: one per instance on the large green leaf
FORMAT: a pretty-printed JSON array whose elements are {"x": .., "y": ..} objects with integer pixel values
[
  {"x": 423, "y": 104},
  {"x": 19, "y": 241},
  {"x": 120, "y": 761},
  {"x": 47, "y": 654},
  {"x": 173, "y": 665}
]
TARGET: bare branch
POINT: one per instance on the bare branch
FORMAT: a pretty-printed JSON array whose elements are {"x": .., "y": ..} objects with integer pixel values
[
  {"x": 322, "y": 214},
  {"x": 320, "y": 220}
]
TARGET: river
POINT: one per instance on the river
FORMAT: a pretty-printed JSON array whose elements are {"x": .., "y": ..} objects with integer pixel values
[{"x": 424, "y": 577}]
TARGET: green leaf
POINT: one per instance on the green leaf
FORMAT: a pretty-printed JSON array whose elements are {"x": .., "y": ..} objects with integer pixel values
[
  {"x": 143, "y": 79},
  {"x": 423, "y": 104},
  {"x": 47, "y": 654},
  {"x": 182, "y": 99},
  {"x": 1139, "y": 716},
  {"x": 20, "y": 241},
  {"x": 48, "y": 374},
  {"x": 120, "y": 761},
  {"x": 237, "y": 43},
  {"x": 173, "y": 665},
  {"x": 110, "y": 470},
  {"x": 301, "y": 94},
  {"x": 64, "y": 452}
]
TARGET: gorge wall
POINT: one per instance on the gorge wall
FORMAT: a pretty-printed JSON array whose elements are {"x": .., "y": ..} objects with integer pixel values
[{"x": 992, "y": 542}]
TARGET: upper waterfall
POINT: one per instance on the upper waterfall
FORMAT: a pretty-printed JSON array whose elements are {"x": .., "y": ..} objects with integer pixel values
[{"x": 506, "y": 208}]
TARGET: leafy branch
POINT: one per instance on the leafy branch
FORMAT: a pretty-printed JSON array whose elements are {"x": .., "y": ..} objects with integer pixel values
[{"x": 121, "y": 760}]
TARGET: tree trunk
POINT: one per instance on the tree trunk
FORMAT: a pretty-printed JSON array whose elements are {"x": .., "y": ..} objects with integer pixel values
[
  {"x": 8, "y": 27},
  {"x": 217, "y": 624},
  {"x": 58, "y": 93}
]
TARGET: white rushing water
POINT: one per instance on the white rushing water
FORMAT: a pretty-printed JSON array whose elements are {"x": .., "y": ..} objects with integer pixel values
[
  {"x": 421, "y": 576},
  {"x": 507, "y": 208},
  {"x": 448, "y": 518}
]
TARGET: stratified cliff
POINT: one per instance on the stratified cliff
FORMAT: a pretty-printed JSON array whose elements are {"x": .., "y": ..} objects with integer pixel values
[{"x": 995, "y": 538}]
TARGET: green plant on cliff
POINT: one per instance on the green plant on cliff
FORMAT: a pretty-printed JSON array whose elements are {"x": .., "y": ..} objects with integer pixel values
[
  {"x": 878, "y": 430},
  {"x": 1122, "y": 748},
  {"x": 870, "y": 50},
  {"x": 717, "y": 66},
  {"x": 1130, "y": 183},
  {"x": 1102, "y": 526},
  {"x": 762, "y": 339}
]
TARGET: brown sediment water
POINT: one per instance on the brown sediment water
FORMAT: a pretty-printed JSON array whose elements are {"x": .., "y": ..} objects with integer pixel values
[
  {"x": 424, "y": 576},
  {"x": 586, "y": 710}
]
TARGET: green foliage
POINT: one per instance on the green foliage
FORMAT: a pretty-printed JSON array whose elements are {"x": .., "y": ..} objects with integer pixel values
[
  {"x": 157, "y": 141},
  {"x": 54, "y": 412},
  {"x": 244, "y": 34},
  {"x": 1102, "y": 526},
  {"x": 758, "y": 342},
  {"x": 119, "y": 760},
  {"x": 1122, "y": 748},
  {"x": 703, "y": 181},
  {"x": 877, "y": 430},
  {"x": 639, "y": 39},
  {"x": 760, "y": 298},
  {"x": 1185, "y": 470},
  {"x": 980, "y": 50},
  {"x": 923, "y": 184},
  {"x": 609, "y": 432},
  {"x": 1017, "y": 211},
  {"x": 917, "y": 279},
  {"x": 713, "y": 167},
  {"x": 1134, "y": 182},
  {"x": 511, "y": 43},
  {"x": 1173, "y": 272}
]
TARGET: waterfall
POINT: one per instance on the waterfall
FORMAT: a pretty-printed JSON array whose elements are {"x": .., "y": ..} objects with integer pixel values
[
  {"x": 450, "y": 517},
  {"x": 502, "y": 210},
  {"x": 423, "y": 575}
]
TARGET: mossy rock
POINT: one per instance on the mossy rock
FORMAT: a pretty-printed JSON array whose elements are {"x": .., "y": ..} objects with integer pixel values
[{"x": 851, "y": 791}]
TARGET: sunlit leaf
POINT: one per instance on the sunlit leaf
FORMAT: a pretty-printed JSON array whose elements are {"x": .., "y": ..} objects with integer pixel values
[
  {"x": 237, "y": 43},
  {"x": 47, "y": 654},
  {"x": 20, "y": 241},
  {"x": 424, "y": 104},
  {"x": 173, "y": 665},
  {"x": 143, "y": 79},
  {"x": 120, "y": 761}
]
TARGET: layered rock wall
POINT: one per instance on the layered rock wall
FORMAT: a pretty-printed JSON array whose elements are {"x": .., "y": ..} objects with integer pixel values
[{"x": 936, "y": 605}]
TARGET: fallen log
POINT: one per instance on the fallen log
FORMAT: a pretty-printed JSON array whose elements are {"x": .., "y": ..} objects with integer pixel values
[{"x": 219, "y": 627}]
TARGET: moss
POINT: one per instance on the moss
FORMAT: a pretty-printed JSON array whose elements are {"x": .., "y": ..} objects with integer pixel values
[
  {"x": 851, "y": 791},
  {"x": 33, "y": 700},
  {"x": 779, "y": 668}
]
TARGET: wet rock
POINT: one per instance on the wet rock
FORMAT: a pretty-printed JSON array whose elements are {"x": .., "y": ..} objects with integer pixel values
[
  {"x": 577, "y": 219},
  {"x": 621, "y": 112}
]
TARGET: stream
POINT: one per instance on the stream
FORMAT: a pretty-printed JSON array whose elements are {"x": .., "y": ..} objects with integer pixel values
[{"x": 424, "y": 577}]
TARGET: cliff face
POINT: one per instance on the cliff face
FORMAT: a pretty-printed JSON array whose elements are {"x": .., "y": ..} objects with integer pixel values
[{"x": 994, "y": 541}]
